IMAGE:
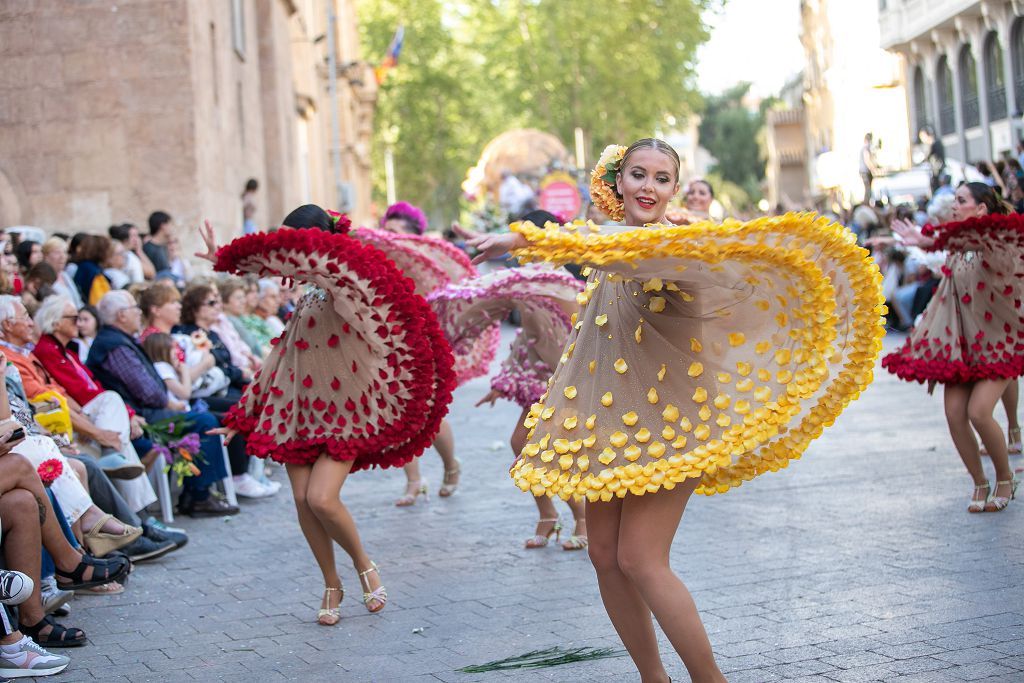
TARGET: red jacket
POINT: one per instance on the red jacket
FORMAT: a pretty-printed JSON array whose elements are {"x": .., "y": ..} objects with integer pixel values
[{"x": 66, "y": 369}]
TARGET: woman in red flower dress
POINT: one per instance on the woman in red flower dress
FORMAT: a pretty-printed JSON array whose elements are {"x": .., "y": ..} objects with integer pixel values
[
  {"x": 971, "y": 336},
  {"x": 360, "y": 378}
]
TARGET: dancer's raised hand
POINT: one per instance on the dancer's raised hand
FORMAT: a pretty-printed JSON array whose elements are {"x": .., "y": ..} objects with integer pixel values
[
  {"x": 490, "y": 398},
  {"x": 490, "y": 245},
  {"x": 910, "y": 233},
  {"x": 206, "y": 232}
]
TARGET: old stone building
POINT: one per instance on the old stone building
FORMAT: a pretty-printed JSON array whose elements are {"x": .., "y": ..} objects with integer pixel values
[{"x": 112, "y": 109}]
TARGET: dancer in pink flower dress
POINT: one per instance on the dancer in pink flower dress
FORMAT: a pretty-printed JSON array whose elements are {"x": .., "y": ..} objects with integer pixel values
[{"x": 360, "y": 378}]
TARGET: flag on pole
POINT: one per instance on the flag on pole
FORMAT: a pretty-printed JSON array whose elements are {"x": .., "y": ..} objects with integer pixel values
[{"x": 391, "y": 57}]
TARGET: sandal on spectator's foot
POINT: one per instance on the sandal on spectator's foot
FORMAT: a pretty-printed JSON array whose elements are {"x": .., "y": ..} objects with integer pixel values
[
  {"x": 103, "y": 571},
  {"x": 329, "y": 616},
  {"x": 112, "y": 588},
  {"x": 58, "y": 636},
  {"x": 541, "y": 540},
  {"x": 451, "y": 480},
  {"x": 979, "y": 505},
  {"x": 378, "y": 595},
  {"x": 101, "y": 542},
  {"x": 997, "y": 503},
  {"x": 413, "y": 490},
  {"x": 1013, "y": 441}
]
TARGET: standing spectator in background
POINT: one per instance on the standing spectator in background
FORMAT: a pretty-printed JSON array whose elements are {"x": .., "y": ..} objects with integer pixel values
[
  {"x": 514, "y": 195},
  {"x": 249, "y": 206},
  {"x": 137, "y": 265},
  {"x": 868, "y": 167},
  {"x": 91, "y": 257},
  {"x": 936, "y": 155},
  {"x": 55, "y": 253},
  {"x": 161, "y": 230},
  {"x": 181, "y": 269}
]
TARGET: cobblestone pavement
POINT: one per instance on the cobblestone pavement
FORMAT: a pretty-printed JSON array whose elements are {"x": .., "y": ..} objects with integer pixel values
[{"x": 859, "y": 563}]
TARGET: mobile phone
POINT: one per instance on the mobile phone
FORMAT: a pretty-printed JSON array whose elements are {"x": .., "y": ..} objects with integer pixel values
[{"x": 17, "y": 435}]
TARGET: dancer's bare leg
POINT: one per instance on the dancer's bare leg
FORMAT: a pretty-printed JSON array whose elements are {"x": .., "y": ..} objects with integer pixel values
[
  {"x": 626, "y": 608},
  {"x": 323, "y": 494},
  {"x": 980, "y": 408},
  {"x": 646, "y": 529},
  {"x": 1011, "y": 403},
  {"x": 955, "y": 398},
  {"x": 319, "y": 540},
  {"x": 444, "y": 444}
]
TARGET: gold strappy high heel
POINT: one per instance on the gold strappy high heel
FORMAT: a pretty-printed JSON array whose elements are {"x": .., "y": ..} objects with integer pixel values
[
  {"x": 379, "y": 595},
  {"x": 451, "y": 480},
  {"x": 329, "y": 616},
  {"x": 979, "y": 505},
  {"x": 541, "y": 541},
  {"x": 1013, "y": 441},
  {"x": 998, "y": 503},
  {"x": 576, "y": 541},
  {"x": 410, "y": 498}
]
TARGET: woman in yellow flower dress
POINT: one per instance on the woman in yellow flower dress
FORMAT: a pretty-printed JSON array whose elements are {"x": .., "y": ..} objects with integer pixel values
[{"x": 705, "y": 355}]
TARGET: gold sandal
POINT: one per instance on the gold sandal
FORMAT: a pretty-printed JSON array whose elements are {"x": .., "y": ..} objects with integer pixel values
[
  {"x": 378, "y": 595},
  {"x": 576, "y": 541},
  {"x": 448, "y": 486},
  {"x": 998, "y": 503},
  {"x": 979, "y": 505},
  {"x": 409, "y": 499},
  {"x": 541, "y": 540},
  {"x": 101, "y": 543},
  {"x": 329, "y": 616}
]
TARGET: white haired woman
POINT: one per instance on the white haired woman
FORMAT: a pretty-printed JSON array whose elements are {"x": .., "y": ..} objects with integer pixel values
[{"x": 57, "y": 321}]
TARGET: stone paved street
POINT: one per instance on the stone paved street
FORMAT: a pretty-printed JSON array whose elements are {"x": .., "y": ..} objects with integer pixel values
[{"x": 860, "y": 563}]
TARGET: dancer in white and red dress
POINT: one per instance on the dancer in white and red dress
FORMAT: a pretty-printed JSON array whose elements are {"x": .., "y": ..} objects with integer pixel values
[
  {"x": 432, "y": 263},
  {"x": 361, "y": 377}
]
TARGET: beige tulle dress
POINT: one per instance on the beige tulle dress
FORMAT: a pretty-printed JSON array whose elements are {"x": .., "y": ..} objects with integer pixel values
[{"x": 716, "y": 351}]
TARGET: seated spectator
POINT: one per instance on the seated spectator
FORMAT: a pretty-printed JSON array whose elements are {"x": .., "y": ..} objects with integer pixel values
[
  {"x": 163, "y": 352},
  {"x": 113, "y": 267},
  {"x": 74, "y": 244},
  {"x": 88, "y": 326},
  {"x": 263, "y": 324},
  {"x": 230, "y": 328},
  {"x": 55, "y": 253},
  {"x": 90, "y": 259},
  {"x": 39, "y": 283},
  {"x": 137, "y": 265},
  {"x": 181, "y": 269},
  {"x": 57, "y": 321},
  {"x": 28, "y": 254},
  {"x": 119, "y": 363},
  {"x": 10, "y": 278},
  {"x": 161, "y": 309},
  {"x": 161, "y": 230}
]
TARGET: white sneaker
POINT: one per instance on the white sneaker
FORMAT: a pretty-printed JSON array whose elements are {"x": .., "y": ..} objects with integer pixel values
[
  {"x": 247, "y": 487},
  {"x": 25, "y": 658},
  {"x": 15, "y": 587}
]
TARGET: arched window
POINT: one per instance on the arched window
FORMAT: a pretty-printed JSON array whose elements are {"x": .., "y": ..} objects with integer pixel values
[
  {"x": 920, "y": 99},
  {"x": 1017, "y": 58},
  {"x": 995, "y": 86},
  {"x": 969, "y": 88},
  {"x": 947, "y": 117}
]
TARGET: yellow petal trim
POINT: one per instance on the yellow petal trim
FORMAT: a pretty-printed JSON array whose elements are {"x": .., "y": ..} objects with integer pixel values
[
  {"x": 668, "y": 433},
  {"x": 653, "y": 285},
  {"x": 657, "y": 304},
  {"x": 737, "y": 339},
  {"x": 643, "y": 436},
  {"x": 696, "y": 369},
  {"x": 661, "y": 372},
  {"x": 591, "y": 421},
  {"x": 695, "y": 345},
  {"x": 621, "y": 367},
  {"x": 656, "y": 449},
  {"x": 606, "y": 399},
  {"x": 618, "y": 439},
  {"x": 630, "y": 418},
  {"x": 570, "y": 392},
  {"x": 700, "y": 394},
  {"x": 652, "y": 396},
  {"x": 601, "y": 320},
  {"x": 570, "y": 422},
  {"x": 670, "y": 413}
]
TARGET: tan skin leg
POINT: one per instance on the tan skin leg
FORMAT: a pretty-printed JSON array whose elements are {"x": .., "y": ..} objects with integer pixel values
[
  {"x": 444, "y": 444},
  {"x": 970, "y": 406},
  {"x": 321, "y": 495},
  {"x": 630, "y": 540},
  {"x": 546, "y": 506},
  {"x": 1011, "y": 402},
  {"x": 317, "y": 538}
]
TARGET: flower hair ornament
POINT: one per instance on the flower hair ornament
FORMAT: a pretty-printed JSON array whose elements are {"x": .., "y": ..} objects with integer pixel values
[
  {"x": 602, "y": 183},
  {"x": 341, "y": 222}
]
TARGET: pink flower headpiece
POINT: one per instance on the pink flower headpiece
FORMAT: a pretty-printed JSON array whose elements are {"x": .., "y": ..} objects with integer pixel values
[{"x": 406, "y": 211}]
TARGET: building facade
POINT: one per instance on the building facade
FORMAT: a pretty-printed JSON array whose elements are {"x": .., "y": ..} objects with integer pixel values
[
  {"x": 849, "y": 87},
  {"x": 964, "y": 62},
  {"x": 109, "y": 111}
]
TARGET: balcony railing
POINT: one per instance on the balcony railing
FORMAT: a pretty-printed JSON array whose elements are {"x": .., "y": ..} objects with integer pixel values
[
  {"x": 997, "y": 103},
  {"x": 947, "y": 120}
]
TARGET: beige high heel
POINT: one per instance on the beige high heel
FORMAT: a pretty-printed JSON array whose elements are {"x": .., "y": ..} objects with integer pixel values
[
  {"x": 410, "y": 498},
  {"x": 979, "y": 505},
  {"x": 101, "y": 543},
  {"x": 451, "y": 481},
  {"x": 329, "y": 616},
  {"x": 541, "y": 541},
  {"x": 576, "y": 541},
  {"x": 378, "y": 595},
  {"x": 998, "y": 503}
]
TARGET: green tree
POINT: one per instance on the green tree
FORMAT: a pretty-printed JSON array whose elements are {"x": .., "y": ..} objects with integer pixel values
[
  {"x": 730, "y": 131},
  {"x": 471, "y": 69}
]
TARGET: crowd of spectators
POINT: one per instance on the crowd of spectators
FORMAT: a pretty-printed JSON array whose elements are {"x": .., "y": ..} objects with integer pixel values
[{"x": 113, "y": 351}]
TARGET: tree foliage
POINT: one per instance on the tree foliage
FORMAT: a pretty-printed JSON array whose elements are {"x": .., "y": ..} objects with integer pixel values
[
  {"x": 731, "y": 132},
  {"x": 474, "y": 68}
]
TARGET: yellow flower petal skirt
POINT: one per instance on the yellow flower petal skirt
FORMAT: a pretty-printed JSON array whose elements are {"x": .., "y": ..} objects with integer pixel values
[{"x": 710, "y": 350}]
